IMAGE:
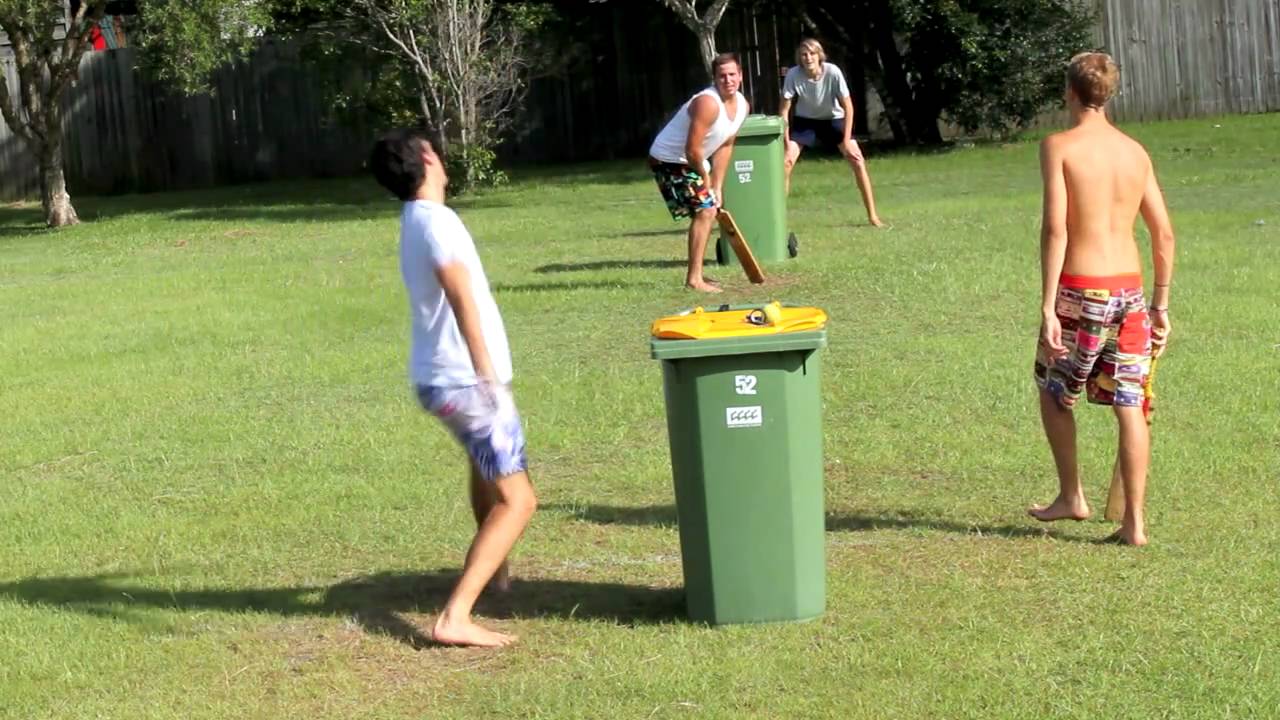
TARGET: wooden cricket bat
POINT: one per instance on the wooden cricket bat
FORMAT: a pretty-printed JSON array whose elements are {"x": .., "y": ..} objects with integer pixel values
[
  {"x": 740, "y": 248},
  {"x": 1115, "y": 497}
]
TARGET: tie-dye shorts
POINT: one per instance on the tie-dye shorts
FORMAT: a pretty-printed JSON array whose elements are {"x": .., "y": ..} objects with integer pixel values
[
  {"x": 682, "y": 189},
  {"x": 484, "y": 419},
  {"x": 1107, "y": 333}
]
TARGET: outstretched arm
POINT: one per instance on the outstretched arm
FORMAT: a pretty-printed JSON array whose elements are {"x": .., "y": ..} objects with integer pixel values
[
  {"x": 1053, "y": 243},
  {"x": 720, "y": 165},
  {"x": 702, "y": 113},
  {"x": 847, "y": 104},
  {"x": 1156, "y": 217}
]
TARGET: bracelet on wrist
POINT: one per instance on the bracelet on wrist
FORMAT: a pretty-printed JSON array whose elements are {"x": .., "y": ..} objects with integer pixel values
[{"x": 1158, "y": 308}]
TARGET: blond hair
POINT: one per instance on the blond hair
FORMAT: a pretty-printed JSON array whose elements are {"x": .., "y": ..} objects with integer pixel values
[
  {"x": 813, "y": 45},
  {"x": 1093, "y": 77}
]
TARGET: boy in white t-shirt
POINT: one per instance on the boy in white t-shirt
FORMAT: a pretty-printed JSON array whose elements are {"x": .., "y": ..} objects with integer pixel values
[
  {"x": 460, "y": 366},
  {"x": 824, "y": 115}
]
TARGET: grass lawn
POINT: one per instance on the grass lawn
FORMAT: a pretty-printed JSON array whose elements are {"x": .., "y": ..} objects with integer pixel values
[{"x": 218, "y": 498}]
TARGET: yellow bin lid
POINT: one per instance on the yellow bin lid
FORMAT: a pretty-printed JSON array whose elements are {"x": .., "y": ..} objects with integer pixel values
[{"x": 742, "y": 321}]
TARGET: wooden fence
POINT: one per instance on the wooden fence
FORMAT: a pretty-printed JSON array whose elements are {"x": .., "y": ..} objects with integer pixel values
[
  {"x": 1189, "y": 58},
  {"x": 643, "y": 64},
  {"x": 269, "y": 117}
]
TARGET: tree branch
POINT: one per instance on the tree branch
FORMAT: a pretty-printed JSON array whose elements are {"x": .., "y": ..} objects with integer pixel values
[
  {"x": 711, "y": 18},
  {"x": 75, "y": 45},
  {"x": 685, "y": 12},
  {"x": 10, "y": 113},
  {"x": 28, "y": 83}
]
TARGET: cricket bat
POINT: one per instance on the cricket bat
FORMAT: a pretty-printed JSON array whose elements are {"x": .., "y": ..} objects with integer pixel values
[
  {"x": 740, "y": 248},
  {"x": 1115, "y": 497}
]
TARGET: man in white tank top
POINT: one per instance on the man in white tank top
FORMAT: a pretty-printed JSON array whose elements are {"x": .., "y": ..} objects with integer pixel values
[{"x": 691, "y": 154}]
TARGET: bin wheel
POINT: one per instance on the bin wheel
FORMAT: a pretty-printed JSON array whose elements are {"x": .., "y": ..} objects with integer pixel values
[{"x": 793, "y": 245}]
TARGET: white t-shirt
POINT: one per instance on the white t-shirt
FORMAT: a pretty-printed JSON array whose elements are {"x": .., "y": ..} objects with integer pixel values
[
  {"x": 669, "y": 146},
  {"x": 816, "y": 99},
  {"x": 433, "y": 236}
]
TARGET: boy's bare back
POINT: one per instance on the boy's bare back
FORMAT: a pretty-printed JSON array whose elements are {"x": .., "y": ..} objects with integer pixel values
[{"x": 1105, "y": 177}]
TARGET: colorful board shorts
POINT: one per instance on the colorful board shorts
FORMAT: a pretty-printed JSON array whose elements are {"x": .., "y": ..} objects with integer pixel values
[
  {"x": 682, "y": 188},
  {"x": 810, "y": 132},
  {"x": 1107, "y": 333},
  {"x": 484, "y": 419}
]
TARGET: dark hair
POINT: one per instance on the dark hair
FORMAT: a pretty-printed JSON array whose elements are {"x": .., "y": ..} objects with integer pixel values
[
  {"x": 396, "y": 161},
  {"x": 724, "y": 59}
]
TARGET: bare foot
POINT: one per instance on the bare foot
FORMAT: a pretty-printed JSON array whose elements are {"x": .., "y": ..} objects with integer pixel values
[
  {"x": 876, "y": 222},
  {"x": 501, "y": 580},
  {"x": 703, "y": 286},
  {"x": 1060, "y": 509},
  {"x": 1126, "y": 537},
  {"x": 464, "y": 633}
]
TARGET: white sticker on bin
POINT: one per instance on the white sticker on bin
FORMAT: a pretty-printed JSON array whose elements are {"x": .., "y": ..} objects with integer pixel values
[
  {"x": 748, "y": 416},
  {"x": 744, "y": 165}
]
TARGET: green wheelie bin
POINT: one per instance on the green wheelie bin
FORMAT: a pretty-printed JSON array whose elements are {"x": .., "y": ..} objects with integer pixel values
[
  {"x": 755, "y": 192},
  {"x": 744, "y": 421}
]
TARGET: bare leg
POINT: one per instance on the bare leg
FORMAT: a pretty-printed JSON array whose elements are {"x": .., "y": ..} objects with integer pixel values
[
  {"x": 1060, "y": 429},
  {"x": 513, "y": 507},
  {"x": 483, "y": 497},
  {"x": 863, "y": 179},
  {"x": 1133, "y": 457},
  {"x": 699, "y": 231}
]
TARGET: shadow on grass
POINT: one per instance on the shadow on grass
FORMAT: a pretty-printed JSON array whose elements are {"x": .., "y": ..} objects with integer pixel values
[
  {"x": 603, "y": 172},
  {"x": 283, "y": 201},
  {"x": 674, "y": 233},
  {"x": 560, "y": 286},
  {"x": 17, "y": 231},
  {"x": 848, "y": 522},
  {"x": 375, "y": 602},
  {"x": 658, "y": 515},
  {"x": 21, "y": 219},
  {"x": 665, "y": 516},
  {"x": 609, "y": 265}
]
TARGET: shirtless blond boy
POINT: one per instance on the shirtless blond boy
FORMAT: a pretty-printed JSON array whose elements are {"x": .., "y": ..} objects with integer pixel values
[{"x": 1098, "y": 333}]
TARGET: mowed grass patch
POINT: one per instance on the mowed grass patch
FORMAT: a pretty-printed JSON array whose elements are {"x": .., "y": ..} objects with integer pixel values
[{"x": 221, "y": 501}]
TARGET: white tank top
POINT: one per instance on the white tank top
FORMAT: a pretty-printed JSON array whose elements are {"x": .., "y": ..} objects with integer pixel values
[{"x": 669, "y": 145}]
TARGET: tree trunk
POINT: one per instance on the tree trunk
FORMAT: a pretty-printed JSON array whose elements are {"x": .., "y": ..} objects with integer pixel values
[
  {"x": 706, "y": 45},
  {"x": 427, "y": 120},
  {"x": 892, "y": 113},
  {"x": 55, "y": 199},
  {"x": 901, "y": 102}
]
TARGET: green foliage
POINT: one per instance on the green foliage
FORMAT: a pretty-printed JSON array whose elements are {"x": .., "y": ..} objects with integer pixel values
[
  {"x": 991, "y": 65},
  {"x": 529, "y": 17},
  {"x": 469, "y": 97},
  {"x": 363, "y": 86},
  {"x": 472, "y": 167},
  {"x": 30, "y": 13},
  {"x": 186, "y": 40}
]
